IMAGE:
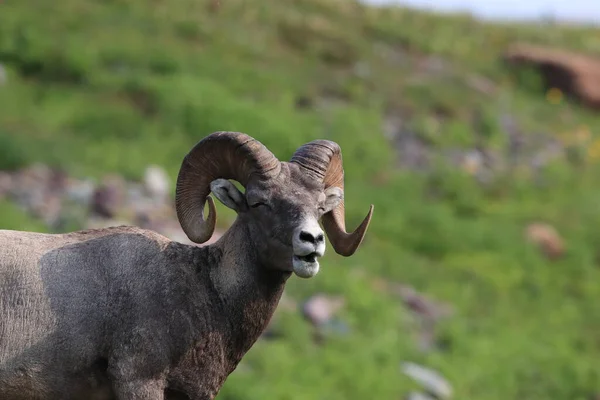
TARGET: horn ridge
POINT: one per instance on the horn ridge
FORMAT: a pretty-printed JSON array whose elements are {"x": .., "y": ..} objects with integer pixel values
[
  {"x": 223, "y": 154},
  {"x": 322, "y": 160}
]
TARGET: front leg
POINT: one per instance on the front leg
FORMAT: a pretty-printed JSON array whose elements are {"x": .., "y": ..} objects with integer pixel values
[
  {"x": 139, "y": 389},
  {"x": 177, "y": 395},
  {"x": 133, "y": 380},
  {"x": 190, "y": 393},
  {"x": 137, "y": 364}
]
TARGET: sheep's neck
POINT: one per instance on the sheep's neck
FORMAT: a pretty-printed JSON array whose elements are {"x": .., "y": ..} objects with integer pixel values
[{"x": 249, "y": 292}]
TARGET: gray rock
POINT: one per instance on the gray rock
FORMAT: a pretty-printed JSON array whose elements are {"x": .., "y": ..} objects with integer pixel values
[
  {"x": 29, "y": 188},
  {"x": 419, "y": 396},
  {"x": 431, "y": 380},
  {"x": 421, "y": 305},
  {"x": 109, "y": 197},
  {"x": 320, "y": 309},
  {"x": 156, "y": 183},
  {"x": 6, "y": 183},
  {"x": 50, "y": 209},
  {"x": 80, "y": 191},
  {"x": 362, "y": 70}
]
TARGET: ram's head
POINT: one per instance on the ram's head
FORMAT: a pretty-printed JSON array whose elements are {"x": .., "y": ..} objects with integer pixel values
[{"x": 282, "y": 204}]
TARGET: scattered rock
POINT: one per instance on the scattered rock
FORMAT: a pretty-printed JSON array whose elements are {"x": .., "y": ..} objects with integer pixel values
[
  {"x": 417, "y": 302},
  {"x": 109, "y": 197},
  {"x": 418, "y": 396},
  {"x": 320, "y": 309},
  {"x": 156, "y": 182},
  {"x": 413, "y": 152},
  {"x": 434, "y": 383},
  {"x": 80, "y": 191},
  {"x": 425, "y": 313},
  {"x": 481, "y": 84},
  {"x": 50, "y": 210},
  {"x": 547, "y": 238},
  {"x": 420, "y": 304},
  {"x": 533, "y": 151},
  {"x": 572, "y": 73},
  {"x": 66, "y": 203},
  {"x": 138, "y": 199},
  {"x": 5, "y": 184},
  {"x": 37, "y": 190},
  {"x": 362, "y": 70},
  {"x": 167, "y": 224},
  {"x": 433, "y": 65}
]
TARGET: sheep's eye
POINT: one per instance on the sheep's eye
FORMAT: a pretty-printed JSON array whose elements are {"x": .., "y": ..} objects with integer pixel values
[{"x": 258, "y": 204}]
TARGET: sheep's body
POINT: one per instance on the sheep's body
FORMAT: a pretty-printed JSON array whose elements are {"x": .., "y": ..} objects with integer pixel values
[
  {"x": 126, "y": 314},
  {"x": 123, "y": 303}
]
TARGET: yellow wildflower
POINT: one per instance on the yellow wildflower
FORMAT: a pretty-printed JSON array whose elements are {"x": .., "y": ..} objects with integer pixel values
[
  {"x": 554, "y": 95},
  {"x": 593, "y": 150}
]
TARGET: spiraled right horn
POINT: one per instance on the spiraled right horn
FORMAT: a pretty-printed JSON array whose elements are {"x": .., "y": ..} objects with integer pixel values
[
  {"x": 322, "y": 160},
  {"x": 226, "y": 155}
]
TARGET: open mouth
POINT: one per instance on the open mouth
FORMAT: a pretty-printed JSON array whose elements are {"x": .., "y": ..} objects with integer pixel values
[
  {"x": 306, "y": 266},
  {"x": 309, "y": 258}
]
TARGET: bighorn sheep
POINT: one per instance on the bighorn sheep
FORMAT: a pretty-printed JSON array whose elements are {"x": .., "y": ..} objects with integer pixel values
[{"x": 124, "y": 313}]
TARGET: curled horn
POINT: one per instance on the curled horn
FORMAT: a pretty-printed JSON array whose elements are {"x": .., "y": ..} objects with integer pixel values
[
  {"x": 226, "y": 155},
  {"x": 322, "y": 160}
]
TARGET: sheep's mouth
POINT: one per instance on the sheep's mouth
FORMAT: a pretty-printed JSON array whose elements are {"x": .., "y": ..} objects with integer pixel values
[
  {"x": 309, "y": 258},
  {"x": 306, "y": 266}
]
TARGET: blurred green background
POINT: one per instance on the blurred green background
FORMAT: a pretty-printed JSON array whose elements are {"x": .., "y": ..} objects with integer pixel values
[{"x": 459, "y": 153}]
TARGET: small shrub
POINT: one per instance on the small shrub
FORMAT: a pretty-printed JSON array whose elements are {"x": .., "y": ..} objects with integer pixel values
[
  {"x": 109, "y": 120},
  {"x": 12, "y": 154}
]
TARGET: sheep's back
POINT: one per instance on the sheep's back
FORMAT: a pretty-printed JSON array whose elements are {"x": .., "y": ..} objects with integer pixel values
[{"x": 58, "y": 294}]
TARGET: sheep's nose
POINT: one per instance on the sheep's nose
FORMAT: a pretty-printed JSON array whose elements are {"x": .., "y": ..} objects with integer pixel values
[{"x": 314, "y": 237}]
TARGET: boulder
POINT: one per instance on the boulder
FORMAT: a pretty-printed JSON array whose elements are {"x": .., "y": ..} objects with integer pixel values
[
  {"x": 6, "y": 183},
  {"x": 109, "y": 198},
  {"x": 547, "y": 238},
  {"x": 432, "y": 381},
  {"x": 573, "y": 73},
  {"x": 156, "y": 182},
  {"x": 321, "y": 308}
]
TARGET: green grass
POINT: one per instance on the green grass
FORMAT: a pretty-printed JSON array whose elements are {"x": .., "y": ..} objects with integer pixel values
[
  {"x": 111, "y": 86},
  {"x": 15, "y": 218}
]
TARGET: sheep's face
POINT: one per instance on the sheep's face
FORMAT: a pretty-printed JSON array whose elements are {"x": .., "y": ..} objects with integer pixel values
[{"x": 282, "y": 216}]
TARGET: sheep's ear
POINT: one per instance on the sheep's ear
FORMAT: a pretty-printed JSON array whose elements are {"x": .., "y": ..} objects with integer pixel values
[
  {"x": 333, "y": 196},
  {"x": 229, "y": 195}
]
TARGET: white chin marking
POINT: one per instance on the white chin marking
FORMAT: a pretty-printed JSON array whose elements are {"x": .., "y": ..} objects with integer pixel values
[{"x": 305, "y": 269}]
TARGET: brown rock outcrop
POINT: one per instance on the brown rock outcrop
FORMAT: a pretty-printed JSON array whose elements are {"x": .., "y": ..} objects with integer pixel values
[
  {"x": 575, "y": 74},
  {"x": 547, "y": 238}
]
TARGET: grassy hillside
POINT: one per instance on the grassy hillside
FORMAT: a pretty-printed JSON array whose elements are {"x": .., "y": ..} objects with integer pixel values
[{"x": 110, "y": 86}]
